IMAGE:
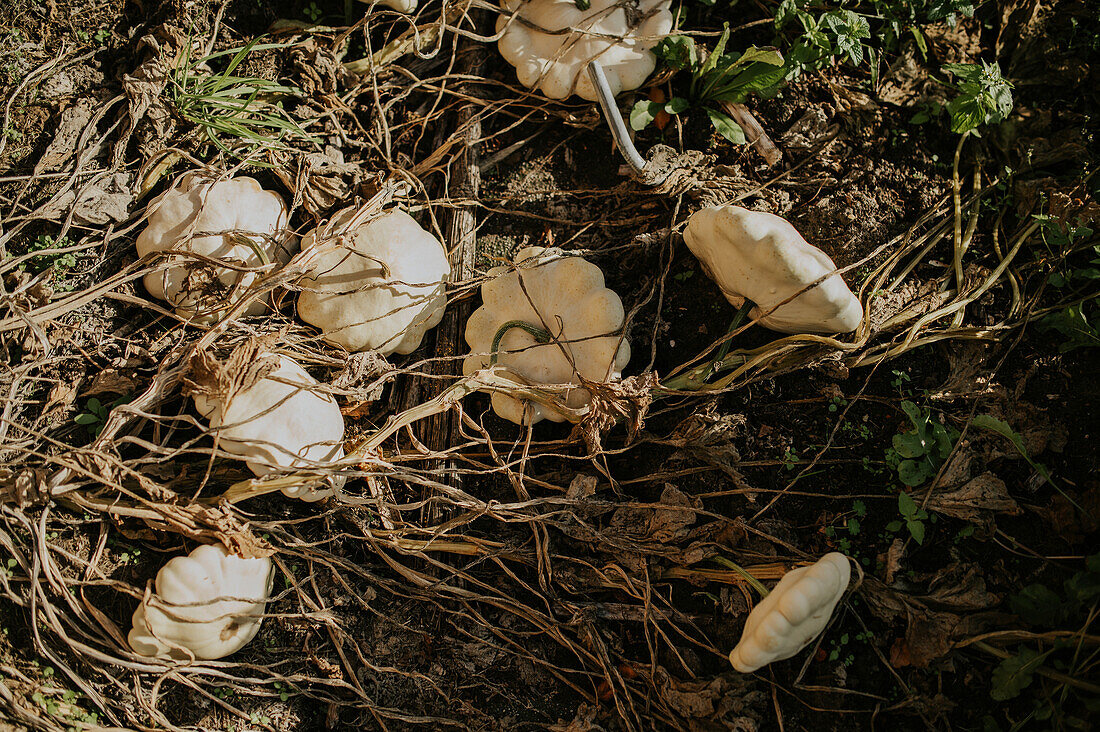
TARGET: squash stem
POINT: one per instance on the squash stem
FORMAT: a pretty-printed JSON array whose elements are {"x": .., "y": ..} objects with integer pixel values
[
  {"x": 694, "y": 379},
  {"x": 738, "y": 318},
  {"x": 756, "y": 584},
  {"x": 615, "y": 118},
  {"x": 539, "y": 334}
]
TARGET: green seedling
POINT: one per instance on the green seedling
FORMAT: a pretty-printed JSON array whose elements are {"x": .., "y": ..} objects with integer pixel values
[
  {"x": 95, "y": 415},
  {"x": 985, "y": 97},
  {"x": 917, "y": 455},
  {"x": 913, "y": 518},
  {"x": 826, "y": 37},
  {"x": 1070, "y": 697}
]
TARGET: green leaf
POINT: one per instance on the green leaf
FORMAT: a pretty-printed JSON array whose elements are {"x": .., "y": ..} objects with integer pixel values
[
  {"x": 727, "y": 127},
  {"x": 768, "y": 55},
  {"x": 678, "y": 52},
  {"x": 894, "y": 527},
  {"x": 916, "y": 416},
  {"x": 985, "y": 97},
  {"x": 922, "y": 44},
  {"x": 643, "y": 113},
  {"x": 913, "y": 473},
  {"x": 1083, "y": 588},
  {"x": 676, "y": 105},
  {"x": 906, "y": 505},
  {"x": 1037, "y": 604},
  {"x": 942, "y": 440},
  {"x": 714, "y": 56},
  {"x": 1014, "y": 674},
  {"x": 94, "y": 405},
  {"x": 86, "y": 419},
  {"x": 916, "y": 528},
  {"x": 910, "y": 445}
]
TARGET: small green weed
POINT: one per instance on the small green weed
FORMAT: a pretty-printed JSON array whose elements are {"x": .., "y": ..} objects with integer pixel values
[
  {"x": 1075, "y": 279},
  {"x": 985, "y": 97},
  {"x": 913, "y": 518},
  {"x": 825, "y": 37},
  {"x": 95, "y": 414},
  {"x": 60, "y": 262},
  {"x": 1062, "y": 704},
  {"x": 917, "y": 455},
  {"x": 240, "y": 115},
  {"x": 789, "y": 459}
]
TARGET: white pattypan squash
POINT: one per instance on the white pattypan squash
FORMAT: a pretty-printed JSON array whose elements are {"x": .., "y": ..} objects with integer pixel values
[
  {"x": 553, "y": 44},
  {"x": 401, "y": 6},
  {"x": 792, "y": 614},
  {"x": 761, "y": 257},
  {"x": 208, "y": 604},
  {"x": 565, "y": 296},
  {"x": 281, "y": 422},
  {"x": 380, "y": 286},
  {"x": 233, "y": 220}
]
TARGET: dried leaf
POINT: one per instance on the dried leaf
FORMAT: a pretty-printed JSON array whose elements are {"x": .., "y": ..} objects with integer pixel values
[
  {"x": 110, "y": 381},
  {"x": 247, "y": 364},
  {"x": 70, "y": 127},
  {"x": 894, "y": 556},
  {"x": 581, "y": 487},
  {"x": 362, "y": 377},
  {"x": 24, "y": 489},
  {"x": 627, "y": 400},
  {"x": 975, "y": 500},
  {"x": 669, "y": 524}
]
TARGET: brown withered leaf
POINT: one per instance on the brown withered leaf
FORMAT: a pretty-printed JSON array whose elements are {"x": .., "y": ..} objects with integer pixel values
[
  {"x": 707, "y": 436},
  {"x": 150, "y": 119},
  {"x": 247, "y": 364},
  {"x": 1068, "y": 522},
  {"x": 66, "y": 140},
  {"x": 322, "y": 181},
  {"x": 627, "y": 401},
  {"x": 209, "y": 524},
  {"x": 975, "y": 500},
  {"x": 362, "y": 376},
  {"x": 669, "y": 524},
  {"x": 583, "y": 721},
  {"x": 25, "y": 488},
  {"x": 931, "y": 633},
  {"x": 110, "y": 381},
  {"x": 892, "y": 563},
  {"x": 62, "y": 396}
]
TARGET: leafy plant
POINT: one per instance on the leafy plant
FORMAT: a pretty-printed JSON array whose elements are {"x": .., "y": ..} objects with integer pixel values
[
  {"x": 232, "y": 108},
  {"x": 717, "y": 78},
  {"x": 825, "y": 37},
  {"x": 985, "y": 97},
  {"x": 907, "y": 16},
  {"x": 95, "y": 414},
  {"x": 1075, "y": 322},
  {"x": 1073, "y": 609},
  {"x": 1015, "y": 673},
  {"x": 62, "y": 261},
  {"x": 918, "y": 454},
  {"x": 913, "y": 518}
]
